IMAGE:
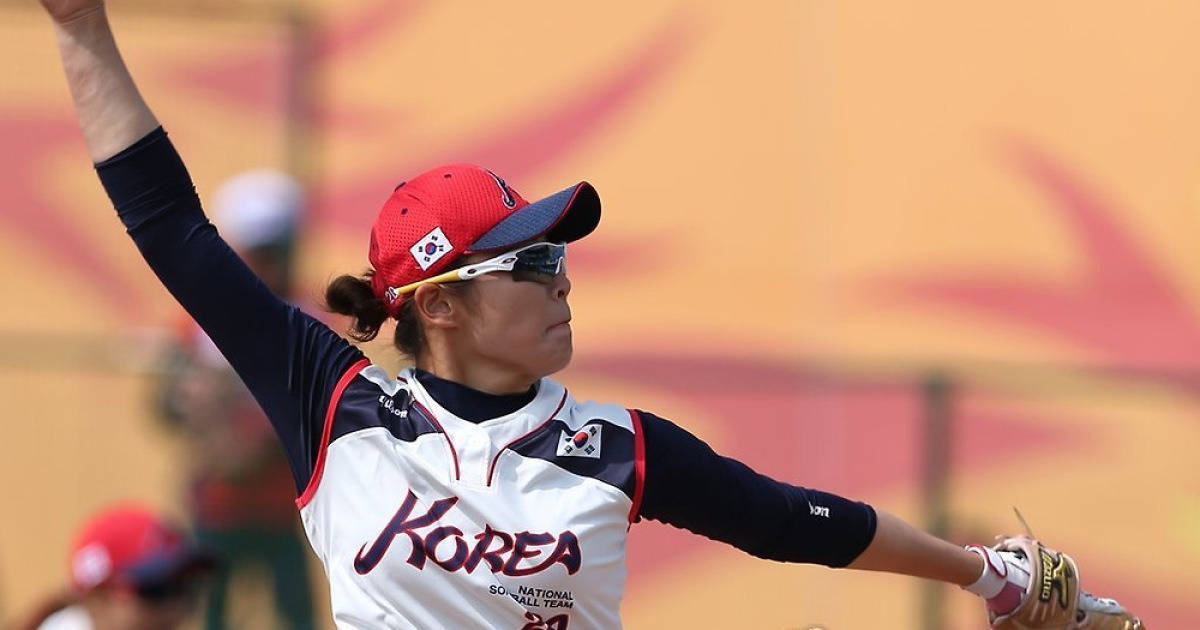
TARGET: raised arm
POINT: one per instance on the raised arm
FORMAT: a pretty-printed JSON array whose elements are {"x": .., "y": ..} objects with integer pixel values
[
  {"x": 290, "y": 361},
  {"x": 111, "y": 111}
]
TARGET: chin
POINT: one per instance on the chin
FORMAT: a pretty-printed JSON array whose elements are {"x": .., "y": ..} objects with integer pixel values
[{"x": 562, "y": 360}]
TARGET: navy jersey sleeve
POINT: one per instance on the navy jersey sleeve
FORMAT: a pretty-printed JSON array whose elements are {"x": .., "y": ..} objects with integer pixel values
[
  {"x": 290, "y": 361},
  {"x": 690, "y": 486}
]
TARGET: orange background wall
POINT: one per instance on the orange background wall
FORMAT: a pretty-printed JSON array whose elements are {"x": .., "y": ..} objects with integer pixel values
[{"x": 808, "y": 206}]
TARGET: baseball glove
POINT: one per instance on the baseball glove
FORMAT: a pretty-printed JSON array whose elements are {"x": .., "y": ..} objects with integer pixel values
[
  {"x": 1052, "y": 599},
  {"x": 1051, "y": 582}
]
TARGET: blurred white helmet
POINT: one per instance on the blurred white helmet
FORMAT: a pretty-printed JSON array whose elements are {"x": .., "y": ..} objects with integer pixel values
[{"x": 258, "y": 207}]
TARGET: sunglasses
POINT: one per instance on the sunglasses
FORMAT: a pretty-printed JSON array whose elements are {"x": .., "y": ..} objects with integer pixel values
[
  {"x": 539, "y": 262},
  {"x": 166, "y": 591}
]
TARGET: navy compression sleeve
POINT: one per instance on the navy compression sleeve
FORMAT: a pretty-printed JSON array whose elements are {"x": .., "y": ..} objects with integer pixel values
[
  {"x": 690, "y": 486},
  {"x": 290, "y": 361}
]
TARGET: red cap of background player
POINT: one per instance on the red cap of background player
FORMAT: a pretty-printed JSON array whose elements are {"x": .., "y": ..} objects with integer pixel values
[
  {"x": 437, "y": 217},
  {"x": 130, "y": 544}
]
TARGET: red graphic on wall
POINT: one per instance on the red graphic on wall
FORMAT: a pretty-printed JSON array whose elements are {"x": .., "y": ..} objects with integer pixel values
[
  {"x": 1123, "y": 305},
  {"x": 527, "y": 142},
  {"x": 515, "y": 144},
  {"x": 36, "y": 215}
]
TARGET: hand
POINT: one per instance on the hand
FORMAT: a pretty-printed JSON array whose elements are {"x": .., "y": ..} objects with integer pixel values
[
  {"x": 1051, "y": 597},
  {"x": 1050, "y": 581},
  {"x": 1099, "y": 613},
  {"x": 64, "y": 11}
]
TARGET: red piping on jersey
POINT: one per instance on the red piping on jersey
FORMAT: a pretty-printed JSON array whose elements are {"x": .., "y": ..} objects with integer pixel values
[
  {"x": 492, "y": 467},
  {"x": 319, "y": 469},
  {"x": 639, "y": 464},
  {"x": 432, "y": 418}
]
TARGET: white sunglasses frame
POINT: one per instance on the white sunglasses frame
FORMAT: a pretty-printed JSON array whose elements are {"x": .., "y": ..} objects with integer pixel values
[{"x": 504, "y": 262}]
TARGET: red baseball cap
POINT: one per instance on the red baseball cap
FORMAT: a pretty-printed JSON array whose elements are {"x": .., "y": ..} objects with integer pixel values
[
  {"x": 130, "y": 543},
  {"x": 455, "y": 210}
]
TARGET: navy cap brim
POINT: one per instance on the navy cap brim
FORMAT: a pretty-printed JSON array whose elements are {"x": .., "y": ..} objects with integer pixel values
[
  {"x": 563, "y": 217},
  {"x": 166, "y": 566}
]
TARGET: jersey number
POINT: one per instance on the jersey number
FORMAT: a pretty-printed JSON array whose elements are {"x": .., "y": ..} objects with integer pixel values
[{"x": 557, "y": 622}]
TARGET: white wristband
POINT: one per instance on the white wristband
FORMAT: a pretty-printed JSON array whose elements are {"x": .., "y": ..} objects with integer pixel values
[{"x": 994, "y": 576}]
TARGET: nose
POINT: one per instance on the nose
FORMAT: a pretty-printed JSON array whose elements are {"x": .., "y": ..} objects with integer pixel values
[{"x": 561, "y": 286}]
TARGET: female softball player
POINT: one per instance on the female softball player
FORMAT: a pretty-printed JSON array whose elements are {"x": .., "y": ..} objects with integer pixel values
[{"x": 472, "y": 491}]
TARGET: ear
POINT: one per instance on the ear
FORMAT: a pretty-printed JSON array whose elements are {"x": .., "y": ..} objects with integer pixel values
[{"x": 436, "y": 307}]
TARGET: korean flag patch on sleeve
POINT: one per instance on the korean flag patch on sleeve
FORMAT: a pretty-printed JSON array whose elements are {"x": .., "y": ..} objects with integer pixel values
[{"x": 583, "y": 443}]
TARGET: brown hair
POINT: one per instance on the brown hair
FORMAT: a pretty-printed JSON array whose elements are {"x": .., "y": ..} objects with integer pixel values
[{"x": 352, "y": 295}]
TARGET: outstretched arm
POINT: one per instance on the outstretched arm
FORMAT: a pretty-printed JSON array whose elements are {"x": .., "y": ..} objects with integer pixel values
[
  {"x": 1024, "y": 583},
  {"x": 688, "y": 485},
  {"x": 111, "y": 111},
  {"x": 902, "y": 548}
]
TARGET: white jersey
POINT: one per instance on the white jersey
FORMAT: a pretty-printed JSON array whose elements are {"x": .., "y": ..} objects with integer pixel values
[{"x": 425, "y": 520}]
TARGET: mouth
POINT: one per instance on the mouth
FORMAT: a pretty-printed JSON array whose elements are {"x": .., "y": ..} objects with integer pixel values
[{"x": 564, "y": 323}]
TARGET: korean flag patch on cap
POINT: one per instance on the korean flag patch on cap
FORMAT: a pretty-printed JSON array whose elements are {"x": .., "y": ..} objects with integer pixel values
[
  {"x": 431, "y": 248},
  {"x": 583, "y": 443}
]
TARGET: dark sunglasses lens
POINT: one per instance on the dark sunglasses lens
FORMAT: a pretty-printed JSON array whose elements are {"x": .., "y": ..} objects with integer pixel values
[{"x": 540, "y": 263}]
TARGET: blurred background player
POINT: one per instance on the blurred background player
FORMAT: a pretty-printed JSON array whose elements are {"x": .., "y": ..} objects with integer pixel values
[
  {"x": 130, "y": 569},
  {"x": 239, "y": 486}
]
